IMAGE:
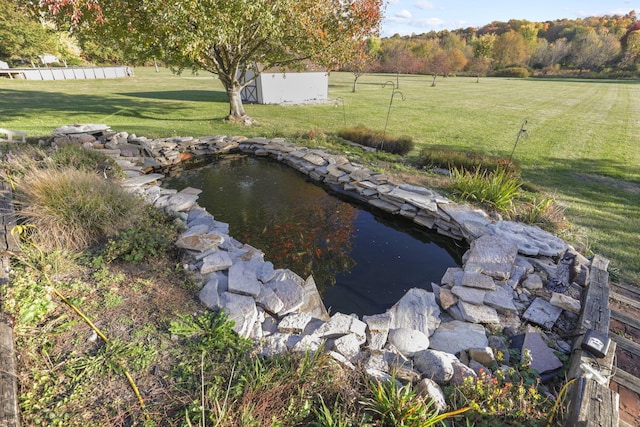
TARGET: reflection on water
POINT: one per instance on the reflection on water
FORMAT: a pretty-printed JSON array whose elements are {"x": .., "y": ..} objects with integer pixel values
[{"x": 361, "y": 263}]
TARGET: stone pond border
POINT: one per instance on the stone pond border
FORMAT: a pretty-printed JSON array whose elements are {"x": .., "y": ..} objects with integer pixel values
[{"x": 516, "y": 281}]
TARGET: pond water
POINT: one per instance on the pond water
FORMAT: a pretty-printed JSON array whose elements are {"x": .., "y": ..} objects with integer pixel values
[{"x": 363, "y": 261}]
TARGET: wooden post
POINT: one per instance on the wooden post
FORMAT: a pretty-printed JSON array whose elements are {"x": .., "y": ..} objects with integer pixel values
[
  {"x": 593, "y": 403},
  {"x": 9, "y": 415}
]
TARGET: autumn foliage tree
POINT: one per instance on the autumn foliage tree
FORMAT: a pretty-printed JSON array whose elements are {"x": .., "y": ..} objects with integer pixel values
[{"x": 234, "y": 39}]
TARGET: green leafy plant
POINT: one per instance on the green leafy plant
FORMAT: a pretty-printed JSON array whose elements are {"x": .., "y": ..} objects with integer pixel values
[
  {"x": 496, "y": 189},
  {"x": 151, "y": 235},
  {"x": 396, "y": 405}
]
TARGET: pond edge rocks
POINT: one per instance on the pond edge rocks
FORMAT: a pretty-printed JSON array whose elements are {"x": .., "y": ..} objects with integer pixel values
[{"x": 465, "y": 327}]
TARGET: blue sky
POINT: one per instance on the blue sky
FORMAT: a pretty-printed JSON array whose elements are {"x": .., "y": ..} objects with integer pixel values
[{"x": 420, "y": 16}]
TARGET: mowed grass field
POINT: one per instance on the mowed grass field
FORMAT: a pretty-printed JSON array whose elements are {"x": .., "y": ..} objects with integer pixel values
[{"x": 582, "y": 144}]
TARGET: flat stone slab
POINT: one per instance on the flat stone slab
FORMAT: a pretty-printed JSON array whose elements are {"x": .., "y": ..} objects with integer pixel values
[
  {"x": 478, "y": 313},
  {"x": 501, "y": 299},
  {"x": 491, "y": 255},
  {"x": 294, "y": 323},
  {"x": 472, "y": 295},
  {"x": 341, "y": 324},
  {"x": 289, "y": 292},
  {"x": 477, "y": 280},
  {"x": 415, "y": 196},
  {"x": 530, "y": 240},
  {"x": 542, "y": 357},
  {"x": 219, "y": 260},
  {"x": 418, "y": 310},
  {"x": 139, "y": 181},
  {"x": 542, "y": 313},
  {"x": 243, "y": 280},
  {"x": 455, "y": 336},
  {"x": 201, "y": 242}
]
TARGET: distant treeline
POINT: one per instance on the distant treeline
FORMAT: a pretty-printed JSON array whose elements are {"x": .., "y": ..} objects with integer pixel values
[{"x": 605, "y": 46}]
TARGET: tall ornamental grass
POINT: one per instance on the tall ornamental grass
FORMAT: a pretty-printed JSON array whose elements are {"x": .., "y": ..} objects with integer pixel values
[
  {"x": 72, "y": 209},
  {"x": 497, "y": 189}
]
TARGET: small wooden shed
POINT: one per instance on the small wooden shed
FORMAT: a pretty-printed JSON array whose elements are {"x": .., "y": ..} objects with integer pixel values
[{"x": 287, "y": 88}]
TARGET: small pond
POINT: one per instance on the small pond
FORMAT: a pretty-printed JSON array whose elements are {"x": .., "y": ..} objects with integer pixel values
[{"x": 363, "y": 261}]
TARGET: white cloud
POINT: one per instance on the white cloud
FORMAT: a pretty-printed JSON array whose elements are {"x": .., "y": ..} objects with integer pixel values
[
  {"x": 428, "y": 23},
  {"x": 403, "y": 14},
  {"x": 425, "y": 5}
]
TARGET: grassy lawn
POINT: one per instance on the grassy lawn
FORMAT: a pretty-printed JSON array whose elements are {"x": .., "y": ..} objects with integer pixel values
[{"x": 581, "y": 145}]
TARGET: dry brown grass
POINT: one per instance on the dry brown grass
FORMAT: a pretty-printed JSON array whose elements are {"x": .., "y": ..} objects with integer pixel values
[{"x": 72, "y": 209}]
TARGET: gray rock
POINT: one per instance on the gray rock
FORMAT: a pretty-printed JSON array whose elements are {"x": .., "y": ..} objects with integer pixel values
[
  {"x": 467, "y": 294},
  {"x": 312, "y": 300},
  {"x": 542, "y": 313},
  {"x": 461, "y": 372},
  {"x": 289, "y": 292},
  {"x": 455, "y": 336},
  {"x": 542, "y": 357},
  {"x": 435, "y": 365},
  {"x": 483, "y": 355},
  {"x": 348, "y": 346},
  {"x": 209, "y": 295},
  {"x": 478, "y": 280},
  {"x": 216, "y": 261},
  {"x": 565, "y": 302},
  {"x": 533, "y": 282},
  {"x": 501, "y": 299},
  {"x": 241, "y": 310},
  {"x": 408, "y": 341},
  {"x": 243, "y": 280},
  {"x": 377, "y": 330},
  {"x": 478, "y": 313},
  {"x": 200, "y": 243},
  {"x": 530, "y": 240},
  {"x": 181, "y": 202},
  {"x": 274, "y": 344},
  {"x": 341, "y": 324},
  {"x": 418, "y": 310},
  {"x": 308, "y": 343},
  {"x": 429, "y": 389},
  {"x": 491, "y": 255},
  {"x": 447, "y": 298},
  {"x": 449, "y": 276},
  {"x": 141, "y": 180},
  {"x": 294, "y": 323},
  {"x": 268, "y": 300}
]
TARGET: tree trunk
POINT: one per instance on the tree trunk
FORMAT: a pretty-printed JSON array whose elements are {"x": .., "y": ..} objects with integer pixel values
[
  {"x": 355, "y": 83},
  {"x": 433, "y": 83},
  {"x": 236, "y": 108}
]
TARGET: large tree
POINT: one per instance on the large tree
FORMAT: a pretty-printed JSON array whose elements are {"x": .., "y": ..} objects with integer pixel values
[
  {"x": 234, "y": 39},
  {"x": 23, "y": 37}
]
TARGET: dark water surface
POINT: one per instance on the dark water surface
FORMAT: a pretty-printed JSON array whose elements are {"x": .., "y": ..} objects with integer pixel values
[{"x": 362, "y": 261}]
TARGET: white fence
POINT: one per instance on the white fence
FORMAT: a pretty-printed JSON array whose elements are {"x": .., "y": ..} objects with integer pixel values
[{"x": 70, "y": 73}]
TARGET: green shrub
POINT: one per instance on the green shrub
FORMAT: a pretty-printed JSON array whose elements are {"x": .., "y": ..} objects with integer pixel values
[
  {"x": 151, "y": 235},
  {"x": 74, "y": 156},
  {"x": 72, "y": 209},
  {"x": 443, "y": 157},
  {"x": 518, "y": 72},
  {"x": 496, "y": 189},
  {"x": 378, "y": 140}
]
